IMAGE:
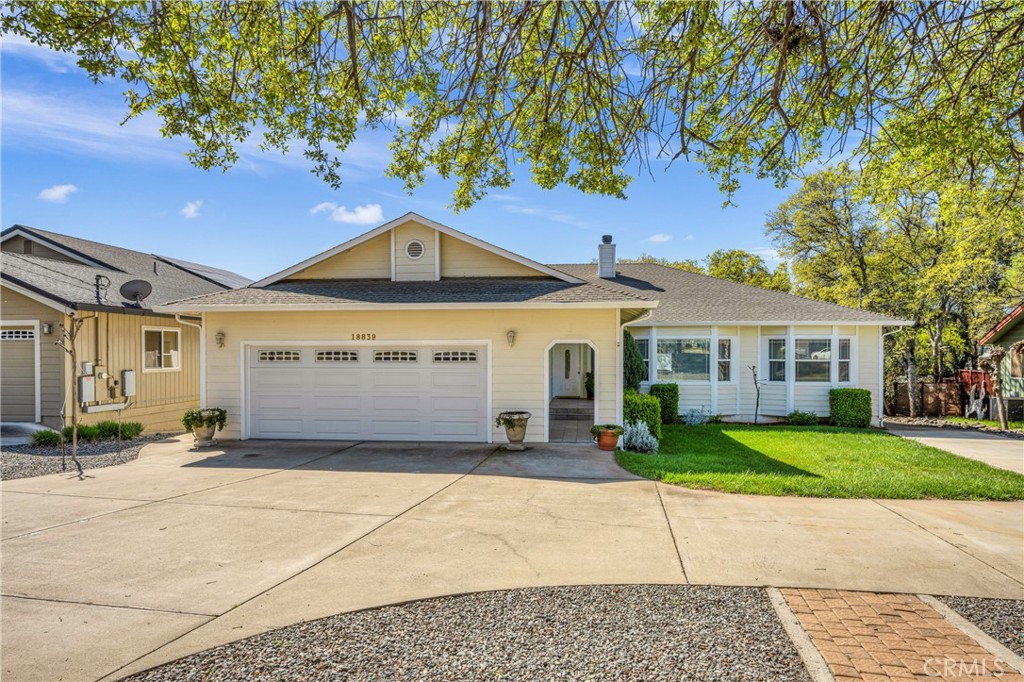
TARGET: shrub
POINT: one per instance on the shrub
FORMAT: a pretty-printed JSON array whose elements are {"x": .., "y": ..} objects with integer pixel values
[
  {"x": 633, "y": 368},
  {"x": 109, "y": 429},
  {"x": 668, "y": 396},
  {"x": 637, "y": 407},
  {"x": 212, "y": 416},
  {"x": 697, "y": 417},
  {"x": 637, "y": 437},
  {"x": 596, "y": 429},
  {"x": 715, "y": 419},
  {"x": 798, "y": 418},
  {"x": 850, "y": 407},
  {"x": 86, "y": 434},
  {"x": 46, "y": 438}
]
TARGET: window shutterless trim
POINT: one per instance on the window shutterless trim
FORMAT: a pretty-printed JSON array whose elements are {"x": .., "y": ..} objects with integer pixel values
[{"x": 162, "y": 330}]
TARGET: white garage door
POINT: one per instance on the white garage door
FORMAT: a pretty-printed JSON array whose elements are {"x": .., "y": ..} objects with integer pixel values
[{"x": 368, "y": 393}]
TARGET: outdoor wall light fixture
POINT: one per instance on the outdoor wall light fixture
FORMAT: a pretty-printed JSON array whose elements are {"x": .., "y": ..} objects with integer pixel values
[
  {"x": 511, "y": 336},
  {"x": 219, "y": 338},
  {"x": 47, "y": 328}
]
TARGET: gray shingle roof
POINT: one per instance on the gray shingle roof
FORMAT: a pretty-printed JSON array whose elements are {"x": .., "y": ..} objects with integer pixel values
[
  {"x": 74, "y": 283},
  {"x": 332, "y": 292},
  {"x": 687, "y": 297}
]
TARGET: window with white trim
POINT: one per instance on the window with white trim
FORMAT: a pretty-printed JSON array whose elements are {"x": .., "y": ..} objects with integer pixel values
[
  {"x": 844, "y": 360},
  {"x": 337, "y": 356},
  {"x": 725, "y": 359},
  {"x": 812, "y": 359},
  {"x": 454, "y": 356},
  {"x": 644, "y": 346},
  {"x": 1017, "y": 364},
  {"x": 161, "y": 349},
  {"x": 776, "y": 359},
  {"x": 280, "y": 356},
  {"x": 684, "y": 359},
  {"x": 394, "y": 356},
  {"x": 17, "y": 334}
]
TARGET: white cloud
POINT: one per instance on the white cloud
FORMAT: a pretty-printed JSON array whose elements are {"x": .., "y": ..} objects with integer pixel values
[
  {"x": 660, "y": 238},
  {"x": 19, "y": 46},
  {"x": 367, "y": 214},
  {"x": 771, "y": 256},
  {"x": 689, "y": 238},
  {"x": 191, "y": 209},
  {"x": 57, "y": 194},
  {"x": 546, "y": 214}
]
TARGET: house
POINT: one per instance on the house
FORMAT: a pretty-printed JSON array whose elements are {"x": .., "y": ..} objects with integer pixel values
[
  {"x": 416, "y": 331},
  {"x": 1009, "y": 333},
  {"x": 135, "y": 361}
]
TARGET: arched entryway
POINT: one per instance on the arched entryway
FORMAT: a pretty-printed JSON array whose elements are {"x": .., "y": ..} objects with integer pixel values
[{"x": 571, "y": 390}]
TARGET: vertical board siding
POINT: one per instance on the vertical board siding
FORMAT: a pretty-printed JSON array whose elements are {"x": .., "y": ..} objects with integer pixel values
[
  {"x": 518, "y": 381},
  {"x": 420, "y": 269}
]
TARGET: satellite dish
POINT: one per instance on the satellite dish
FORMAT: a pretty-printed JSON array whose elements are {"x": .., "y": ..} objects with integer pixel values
[{"x": 136, "y": 290}]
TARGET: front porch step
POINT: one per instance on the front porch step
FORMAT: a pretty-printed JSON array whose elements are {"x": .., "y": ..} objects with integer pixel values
[{"x": 571, "y": 413}]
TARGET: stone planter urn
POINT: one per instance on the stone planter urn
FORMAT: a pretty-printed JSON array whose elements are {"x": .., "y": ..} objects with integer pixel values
[
  {"x": 204, "y": 435},
  {"x": 203, "y": 424},
  {"x": 515, "y": 428}
]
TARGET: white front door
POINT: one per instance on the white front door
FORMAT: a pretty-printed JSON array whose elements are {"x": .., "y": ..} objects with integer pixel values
[
  {"x": 415, "y": 392},
  {"x": 566, "y": 371}
]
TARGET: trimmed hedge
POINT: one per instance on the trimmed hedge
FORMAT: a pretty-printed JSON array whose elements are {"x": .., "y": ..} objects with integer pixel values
[
  {"x": 668, "y": 396},
  {"x": 799, "y": 418},
  {"x": 850, "y": 407},
  {"x": 637, "y": 407},
  {"x": 46, "y": 438},
  {"x": 108, "y": 429}
]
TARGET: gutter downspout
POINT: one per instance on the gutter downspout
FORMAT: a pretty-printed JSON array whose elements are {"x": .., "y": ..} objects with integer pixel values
[{"x": 202, "y": 357}]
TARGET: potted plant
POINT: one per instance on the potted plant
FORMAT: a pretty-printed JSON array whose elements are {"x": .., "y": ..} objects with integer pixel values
[
  {"x": 588, "y": 385},
  {"x": 514, "y": 422},
  {"x": 607, "y": 435},
  {"x": 203, "y": 423}
]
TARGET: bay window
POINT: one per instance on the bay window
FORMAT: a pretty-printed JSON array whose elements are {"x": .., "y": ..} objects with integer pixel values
[
  {"x": 725, "y": 359},
  {"x": 644, "y": 346},
  {"x": 813, "y": 359}
]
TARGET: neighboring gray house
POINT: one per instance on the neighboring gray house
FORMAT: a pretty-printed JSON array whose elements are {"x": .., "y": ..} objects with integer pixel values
[
  {"x": 1006, "y": 333},
  {"x": 45, "y": 278}
]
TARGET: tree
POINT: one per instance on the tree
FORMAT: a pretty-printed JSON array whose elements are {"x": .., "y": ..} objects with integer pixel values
[
  {"x": 747, "y": 268},
  {"x": 633, "y": 368},
  {"x": 689, "y": 265},
  {"x": 69, "y": 344},
  {"x": 937, "y": 248},
  {"x": 582, "y": 93}
]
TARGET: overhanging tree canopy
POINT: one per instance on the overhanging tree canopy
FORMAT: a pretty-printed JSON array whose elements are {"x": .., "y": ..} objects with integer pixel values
[{"x": 586, "y": 94}]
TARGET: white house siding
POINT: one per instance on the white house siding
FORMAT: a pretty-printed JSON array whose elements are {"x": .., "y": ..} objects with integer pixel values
[
  {"x": 737, "y": 398},
  {"x": 518, "y": 379}
]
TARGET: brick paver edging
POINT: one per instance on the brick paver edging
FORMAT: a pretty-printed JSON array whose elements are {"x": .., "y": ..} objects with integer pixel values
[{"x": 870, "y": 637}]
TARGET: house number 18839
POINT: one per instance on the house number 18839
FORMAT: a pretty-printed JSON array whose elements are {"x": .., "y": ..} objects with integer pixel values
[{"x": 364, "y": 337}]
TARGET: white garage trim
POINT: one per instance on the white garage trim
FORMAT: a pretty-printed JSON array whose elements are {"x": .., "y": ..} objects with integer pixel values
[
  {"x": 246, "y": 345},
  {"x": 38, "y": 373},
  {"x": 546, "y": 383}
]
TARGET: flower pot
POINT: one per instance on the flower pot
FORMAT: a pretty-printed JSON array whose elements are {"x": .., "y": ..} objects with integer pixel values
[
  {"x": 515, "y": 428},
  {"x": 607, "y": 440},
  {"x": 204, "y": 435}
]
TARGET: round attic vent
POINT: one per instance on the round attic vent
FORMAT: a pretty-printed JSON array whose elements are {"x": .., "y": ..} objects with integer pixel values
[{"x": 414, "y": 249}]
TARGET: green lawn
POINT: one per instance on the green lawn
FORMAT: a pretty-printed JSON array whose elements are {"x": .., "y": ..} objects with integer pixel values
[
  {"x": 987, "y": 422},
  {"x": 817, "y": 461}
]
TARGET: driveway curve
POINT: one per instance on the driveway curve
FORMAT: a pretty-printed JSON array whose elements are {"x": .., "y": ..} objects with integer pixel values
[{"x": 180, "y": 550}]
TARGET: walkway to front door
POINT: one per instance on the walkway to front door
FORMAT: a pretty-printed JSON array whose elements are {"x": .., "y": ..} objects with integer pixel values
[{"x": 571, "y": 419}]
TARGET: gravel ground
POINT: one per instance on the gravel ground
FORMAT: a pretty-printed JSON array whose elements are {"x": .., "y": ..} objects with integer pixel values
[
  {"x": 633, "y": 632},
  {"x": 1001, "y": 619},
  {"x": 25, "y": 461}
]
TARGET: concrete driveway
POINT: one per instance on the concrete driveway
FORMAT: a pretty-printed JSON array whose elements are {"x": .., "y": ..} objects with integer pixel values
[
  {"x": 997, "y": 451},
  {"x": 180, "y": 551}
]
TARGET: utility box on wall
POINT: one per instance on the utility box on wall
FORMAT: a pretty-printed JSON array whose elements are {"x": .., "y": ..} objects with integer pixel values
[
  {"x": 86, "y": 389},
  {"x": 128, "y": 382}
]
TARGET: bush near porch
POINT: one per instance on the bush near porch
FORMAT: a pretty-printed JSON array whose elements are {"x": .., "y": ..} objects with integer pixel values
[{"x": 817, "y": 461}]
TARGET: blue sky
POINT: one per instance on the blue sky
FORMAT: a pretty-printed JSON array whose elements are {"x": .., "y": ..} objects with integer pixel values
[{"x": 68, "y": 166}]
